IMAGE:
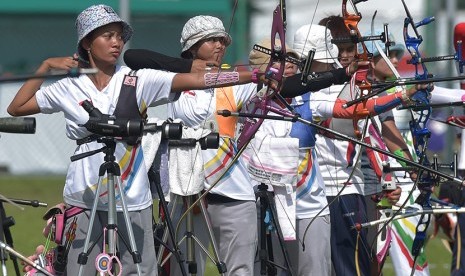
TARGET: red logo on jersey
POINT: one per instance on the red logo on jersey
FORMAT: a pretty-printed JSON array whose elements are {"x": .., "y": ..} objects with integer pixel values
[
  {"x": 128, "y": 80},
  {"x": 190, "y": 92}
]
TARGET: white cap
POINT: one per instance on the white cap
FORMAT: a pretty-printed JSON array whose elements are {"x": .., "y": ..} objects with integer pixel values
[{"x": 316, "y": 37}]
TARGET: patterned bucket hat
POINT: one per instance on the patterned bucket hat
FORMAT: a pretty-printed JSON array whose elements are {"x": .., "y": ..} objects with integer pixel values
[
  {"x": 94, "y": 17},
  {"x": 202, "y": 27}
]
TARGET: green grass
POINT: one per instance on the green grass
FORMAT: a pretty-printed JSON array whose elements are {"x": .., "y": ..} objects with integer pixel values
[{"x": 27, "y": 231}]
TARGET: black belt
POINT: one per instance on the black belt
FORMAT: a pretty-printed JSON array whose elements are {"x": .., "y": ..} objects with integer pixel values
[{"x": 216, "y": 198}]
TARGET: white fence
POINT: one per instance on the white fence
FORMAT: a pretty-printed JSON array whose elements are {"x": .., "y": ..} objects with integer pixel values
[{"x": 47, "y": 151}]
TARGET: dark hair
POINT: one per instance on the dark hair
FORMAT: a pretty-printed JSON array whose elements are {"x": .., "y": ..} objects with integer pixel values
[{"x": 335, "y": 23}]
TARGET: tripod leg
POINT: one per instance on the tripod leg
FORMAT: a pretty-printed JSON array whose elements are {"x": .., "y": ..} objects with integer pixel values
[
  {"x": 135, "y": 254},
  {"x": 166, "y": 233},
  {"x": 6, "y": 223},
  {"x": 169, "y": 230},
  {"x": 203, "y": 238},
  {"x": 274, "y": 219},
  {"x": 112, "y": 220},
  {"x": 191, "y": 263},
  {"x": 82, "y": 259},
  {"x": 3, "y": 255},
  {"x": 262, "y": 253},
  {"x": 169, "y": 226}
]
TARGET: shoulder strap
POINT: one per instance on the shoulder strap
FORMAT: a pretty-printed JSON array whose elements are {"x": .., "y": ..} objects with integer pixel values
[{"x": 127, "y": 107}]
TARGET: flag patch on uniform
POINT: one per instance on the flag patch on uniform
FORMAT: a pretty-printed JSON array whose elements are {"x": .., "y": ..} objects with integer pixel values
[{"x": 128, "y": 80}]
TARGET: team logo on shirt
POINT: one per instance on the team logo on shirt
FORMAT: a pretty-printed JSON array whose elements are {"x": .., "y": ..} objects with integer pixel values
[
  {"x": 128, "y": 80},
  {"x": 189, "y": 92}
]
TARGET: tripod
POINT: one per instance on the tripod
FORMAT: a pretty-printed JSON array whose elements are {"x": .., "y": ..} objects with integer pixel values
[
  {"x": 154, "y": 178},
  {"x": 191, "y": 239},
  {"x": 112, "y": 169},
  {"x": 210, "y": 141},
  {"x": 267, "y": 264}
]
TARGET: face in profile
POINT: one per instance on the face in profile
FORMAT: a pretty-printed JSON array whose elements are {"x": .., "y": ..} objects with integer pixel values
[
  {"x": 347, "y": 53},
  {"x": 381, "y": 68}
]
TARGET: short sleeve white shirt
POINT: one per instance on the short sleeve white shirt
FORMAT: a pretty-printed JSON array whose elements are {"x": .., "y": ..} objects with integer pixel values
[{"x": 82, "y": 178}]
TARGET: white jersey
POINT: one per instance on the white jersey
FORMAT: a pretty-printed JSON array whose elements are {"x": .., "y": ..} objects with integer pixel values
[
  {"x": 337, "y": 158},
  {"x": 309, "y": 186},
  {"x": 197, "y": 107},
  {"x": 65, "y": 96}
]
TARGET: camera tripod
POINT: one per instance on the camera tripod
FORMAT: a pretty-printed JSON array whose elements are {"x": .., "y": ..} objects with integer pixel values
[
  {"x": 190, "y": 238},
  {"x": 112, "y": 169},
  {"x": 265, "y": 253},
  {"x": 176, "y": 205},
  {"x": 155, "y": 183}
]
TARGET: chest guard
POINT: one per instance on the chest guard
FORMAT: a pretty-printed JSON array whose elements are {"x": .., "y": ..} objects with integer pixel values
[
  {"x": 304, "y": 132},
  {"x": 225, "y": 100},
  {"x": 127, "y": 107}
]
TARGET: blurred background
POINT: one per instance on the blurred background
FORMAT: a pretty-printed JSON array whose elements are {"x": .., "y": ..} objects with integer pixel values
[{"x": 35, "y": 30}]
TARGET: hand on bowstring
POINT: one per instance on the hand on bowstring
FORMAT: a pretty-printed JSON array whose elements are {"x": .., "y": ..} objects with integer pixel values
[
  {"x": 199, "y": 65},
  {"x": 61, "y": 63},
  {"x": 420, "y": 87},
  {"x": 413, "y": 175},
  {"x": 394, "y": 196},
  {"x": 355, "y": 65},
  {"x": 39, "y": 250}
]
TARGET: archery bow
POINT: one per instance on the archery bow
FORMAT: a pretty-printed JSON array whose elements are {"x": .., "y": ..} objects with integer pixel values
[
  {"x": 278, "y": 53},
  {"x": 420, "y": 132},
  {"x": 359, "y": 79}
]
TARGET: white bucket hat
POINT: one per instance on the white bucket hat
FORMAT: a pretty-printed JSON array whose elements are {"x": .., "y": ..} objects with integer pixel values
[
  {"x": 94, "y": 17},
  {"x": 202, "y": 27},
  {"x": 316, "y": 37}
]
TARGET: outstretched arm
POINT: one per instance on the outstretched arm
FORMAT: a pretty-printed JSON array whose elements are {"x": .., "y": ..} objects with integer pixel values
[
  {"x": 293, "y": 87},
  {"x": 187, "y": 81},
  {"x": 25, "y": 103},
  {"x": 142, "y": 58}
]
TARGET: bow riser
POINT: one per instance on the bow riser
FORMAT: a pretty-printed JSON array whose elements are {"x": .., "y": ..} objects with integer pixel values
[{"x": 272, "y": 74}]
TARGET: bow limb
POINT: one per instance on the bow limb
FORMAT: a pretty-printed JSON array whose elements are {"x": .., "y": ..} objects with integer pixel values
[
  {"x": 278, "y": 54},
  {"x": 419, "y": 130}
]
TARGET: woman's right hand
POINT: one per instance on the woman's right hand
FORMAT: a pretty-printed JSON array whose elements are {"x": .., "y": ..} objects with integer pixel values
[
  {"x": 39, "y": 250},
  {"x": 418, "y": 87},
  {"x": 61, "y": 63},
  {"x": 199, "y": 65}
]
